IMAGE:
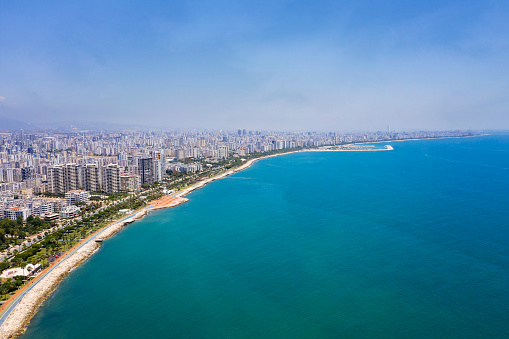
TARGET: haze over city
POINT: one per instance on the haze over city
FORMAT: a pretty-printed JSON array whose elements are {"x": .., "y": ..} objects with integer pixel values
[{"x": 278, "y": 65}]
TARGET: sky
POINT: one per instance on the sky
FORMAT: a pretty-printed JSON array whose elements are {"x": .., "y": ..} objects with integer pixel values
[{"x": 259, "y": 65}]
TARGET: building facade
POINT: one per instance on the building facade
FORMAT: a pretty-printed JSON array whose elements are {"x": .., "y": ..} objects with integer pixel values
[
  {"x": 111, "y": 177},
  {"x": 146, "y": 171}
]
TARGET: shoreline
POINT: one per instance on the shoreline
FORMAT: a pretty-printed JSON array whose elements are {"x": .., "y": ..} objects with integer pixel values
[
  {"x": 18, "y": 312},
  {"x": 26, "y": 302}
]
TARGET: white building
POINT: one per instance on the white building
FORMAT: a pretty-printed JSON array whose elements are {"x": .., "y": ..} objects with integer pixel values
[
  {"x": 69, "y": 212},
  {"x": 13, "y": 213},
  {"x": 223, "y": 152},
  {"x": 40, "y": 209},
  {"x": 158, "y": 171},
  {"x": 72, "y": 197}
]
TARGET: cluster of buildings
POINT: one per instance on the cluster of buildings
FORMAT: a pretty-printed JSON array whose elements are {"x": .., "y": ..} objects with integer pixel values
[
  {"x": 92, "y": 177},
  {"x": 33, "y": 162},
  {"x": 12, "y": 206}
]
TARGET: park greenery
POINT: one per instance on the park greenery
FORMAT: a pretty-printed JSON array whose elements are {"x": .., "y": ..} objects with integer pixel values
[
  {"x": 12, "y": 232},
  {"x": 57, "y": 243}
]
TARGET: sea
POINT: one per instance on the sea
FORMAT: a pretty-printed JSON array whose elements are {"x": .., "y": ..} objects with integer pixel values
[{"x": 409, "y": 243}]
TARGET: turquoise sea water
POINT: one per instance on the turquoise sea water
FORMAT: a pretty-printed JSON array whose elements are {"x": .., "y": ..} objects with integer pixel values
[{"x": 412, "y": 243}]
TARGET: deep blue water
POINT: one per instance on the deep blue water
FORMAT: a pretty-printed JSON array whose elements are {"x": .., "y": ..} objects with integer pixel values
[{"x": 412, "y": 243}]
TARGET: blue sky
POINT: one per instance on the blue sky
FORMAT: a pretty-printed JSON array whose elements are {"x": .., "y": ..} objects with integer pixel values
[{"x": 281, "y": 65}]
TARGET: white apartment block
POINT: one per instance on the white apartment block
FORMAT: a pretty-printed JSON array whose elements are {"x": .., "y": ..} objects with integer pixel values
[
  {"x": 73, "y": 197},
  {"x": 13, "y": 213}
]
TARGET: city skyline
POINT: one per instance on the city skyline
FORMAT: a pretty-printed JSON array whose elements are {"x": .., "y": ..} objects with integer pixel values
[{"x": 276, "y": 65}]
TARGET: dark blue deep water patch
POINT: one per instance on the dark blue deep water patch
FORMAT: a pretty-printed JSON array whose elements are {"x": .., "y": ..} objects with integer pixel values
[{"x": 412, "y": 243}]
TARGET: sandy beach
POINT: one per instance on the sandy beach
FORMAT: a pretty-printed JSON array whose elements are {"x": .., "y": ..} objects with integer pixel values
[{"x": 24, "y": 304}]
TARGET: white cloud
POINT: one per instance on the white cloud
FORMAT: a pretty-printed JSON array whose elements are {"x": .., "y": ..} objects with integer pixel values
[{"x": 2, "y": 99}]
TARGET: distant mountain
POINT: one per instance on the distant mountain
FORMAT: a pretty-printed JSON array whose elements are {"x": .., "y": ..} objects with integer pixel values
[
  {"x": 89, "y": 125},
  {"x": 7, "y": 124}
]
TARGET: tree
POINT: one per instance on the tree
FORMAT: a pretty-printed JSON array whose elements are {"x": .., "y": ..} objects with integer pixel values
[
  {"x": 37, "y": 222},
  {"x": 19, "y": 220}
]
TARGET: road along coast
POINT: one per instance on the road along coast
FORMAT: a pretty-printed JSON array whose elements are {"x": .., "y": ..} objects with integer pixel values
[{"x": 16, "y": 313}]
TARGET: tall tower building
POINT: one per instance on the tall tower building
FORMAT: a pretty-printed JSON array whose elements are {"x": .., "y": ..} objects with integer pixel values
[
  {"x": 158, "y": 172},
  {"x": 73, "y": 177},
  {"x": 146, "y": 170},
  {"x": 111, "y": 177},
  {"x": 129, "y": 182},
  {"x": 223, "y": 151},
  {"x": 56, "y": 176},
  {"x": 181, "y": 154},
  {"x": 63, "y": 178},
  {"x": 27, "y": 173},
  {"x": 91, "y": 178}
]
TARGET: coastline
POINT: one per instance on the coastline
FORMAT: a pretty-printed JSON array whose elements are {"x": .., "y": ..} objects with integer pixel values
[
  {"x": 27, "y": 300},
  {"x": 24, "y": 304}
]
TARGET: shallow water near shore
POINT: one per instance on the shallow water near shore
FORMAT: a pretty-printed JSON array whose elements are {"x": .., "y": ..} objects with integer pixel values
[{"x": 410, "y": 243}]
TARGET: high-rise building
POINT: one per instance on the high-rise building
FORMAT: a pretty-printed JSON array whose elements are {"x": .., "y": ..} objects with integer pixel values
[
  {"x": 181, "y": 155},
  {"x": 158, "y": 172},
  {"x": 111, "y": 178},
  {"x": 63, "y": 178},
  {"x": 73, "y": 177},
  {"x": 27, "y": 173},
  {"x": 10, "y": 175},
  {"x": 56, "y": 178},
  {"x": 129, "y": 182},
  {"x": 146, "y": 170},
  {"x": 91, "y": 178},
  {"x": 223, "y": 151}
]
